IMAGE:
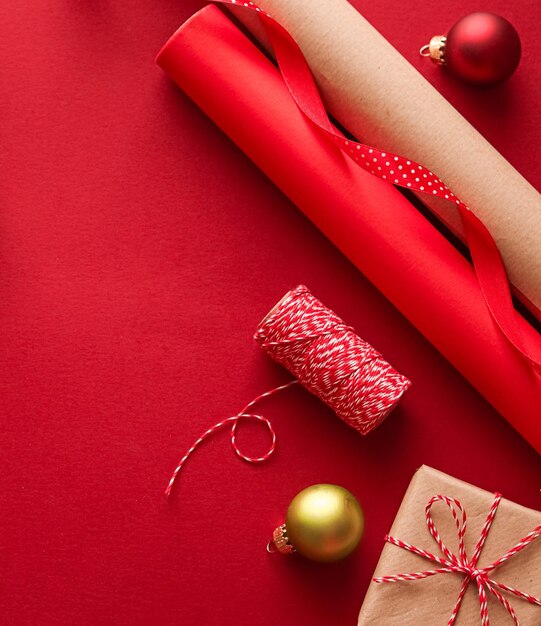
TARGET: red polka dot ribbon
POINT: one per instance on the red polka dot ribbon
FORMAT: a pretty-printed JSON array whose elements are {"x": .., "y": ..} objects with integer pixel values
[
  {"x": 461, "y": 564},
  {"x": 402, "y": 172}
]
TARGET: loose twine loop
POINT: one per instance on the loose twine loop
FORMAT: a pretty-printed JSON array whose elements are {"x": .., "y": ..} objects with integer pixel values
[
  {"x": 325, "y": 356},
  {"x": 461, "y": 564},
  {"x": 234, "y": 421}
]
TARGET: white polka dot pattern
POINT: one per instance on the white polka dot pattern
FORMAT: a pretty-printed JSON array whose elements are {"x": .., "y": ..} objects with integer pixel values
[{"x": 398, "y": 169}]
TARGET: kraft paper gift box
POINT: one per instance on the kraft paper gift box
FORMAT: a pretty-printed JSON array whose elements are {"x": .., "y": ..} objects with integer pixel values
[{"x": 430, "y": 601}]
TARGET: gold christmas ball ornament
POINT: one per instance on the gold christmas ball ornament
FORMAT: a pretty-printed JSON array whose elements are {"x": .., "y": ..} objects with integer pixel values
[{"x": 323, "y": 523}]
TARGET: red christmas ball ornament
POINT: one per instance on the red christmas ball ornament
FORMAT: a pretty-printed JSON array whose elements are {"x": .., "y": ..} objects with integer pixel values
[{"x": 481, "y": 48}]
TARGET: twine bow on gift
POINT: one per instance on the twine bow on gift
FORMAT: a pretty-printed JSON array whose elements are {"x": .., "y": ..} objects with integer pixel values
[{"x": 462, "y": 565}]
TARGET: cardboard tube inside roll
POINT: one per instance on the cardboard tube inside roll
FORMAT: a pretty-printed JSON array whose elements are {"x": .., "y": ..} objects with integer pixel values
[{"x": 383, "y": 101}]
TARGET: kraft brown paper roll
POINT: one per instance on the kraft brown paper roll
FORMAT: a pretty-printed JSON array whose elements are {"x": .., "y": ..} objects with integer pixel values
[{"x": 383, "y": 101}]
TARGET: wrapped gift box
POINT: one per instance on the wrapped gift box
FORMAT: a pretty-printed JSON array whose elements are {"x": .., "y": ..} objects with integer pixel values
[{"x": 431, "y": 600}]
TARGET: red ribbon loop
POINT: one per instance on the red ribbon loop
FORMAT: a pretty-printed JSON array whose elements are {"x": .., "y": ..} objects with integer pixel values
[
  {"x": 402, "y": 172},
  {"x": 460, "y": 564}
]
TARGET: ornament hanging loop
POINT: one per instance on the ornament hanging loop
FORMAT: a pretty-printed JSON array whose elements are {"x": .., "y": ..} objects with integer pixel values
[
  {"x": 271, "y": 546},
  {"x": 435, "y": 50}
]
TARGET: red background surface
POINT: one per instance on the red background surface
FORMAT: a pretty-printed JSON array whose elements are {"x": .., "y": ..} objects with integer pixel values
[{"x": 139, "y": 249}]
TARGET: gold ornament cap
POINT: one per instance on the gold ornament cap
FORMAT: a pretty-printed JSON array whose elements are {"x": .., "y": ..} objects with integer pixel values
[
  {"x": 281, "y": 541},
  {"x": 435, "y": 49},
  {"x": 323, "y": 523}
]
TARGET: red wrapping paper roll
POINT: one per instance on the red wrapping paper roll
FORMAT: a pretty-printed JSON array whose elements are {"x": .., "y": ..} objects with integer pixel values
[{"x": 424, "y": 276}]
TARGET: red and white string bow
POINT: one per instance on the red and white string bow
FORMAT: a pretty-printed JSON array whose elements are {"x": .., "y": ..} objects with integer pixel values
[{"x": 461, "y": 564}]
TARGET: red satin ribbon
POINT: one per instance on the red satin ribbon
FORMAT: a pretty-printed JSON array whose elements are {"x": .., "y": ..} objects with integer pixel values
[
  {"x": 402, "y": 172},
  {"x": 460, "y": 564}
]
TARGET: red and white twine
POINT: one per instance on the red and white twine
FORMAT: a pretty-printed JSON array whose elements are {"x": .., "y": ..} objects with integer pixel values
[
  {"x": 234, "y": 421},
  {"x": 328, "y": 358},
  {"x": 461, "y": 564}
]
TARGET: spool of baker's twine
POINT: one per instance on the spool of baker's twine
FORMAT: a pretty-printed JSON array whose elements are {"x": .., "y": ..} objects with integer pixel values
[{"x": 328, "y": 358}]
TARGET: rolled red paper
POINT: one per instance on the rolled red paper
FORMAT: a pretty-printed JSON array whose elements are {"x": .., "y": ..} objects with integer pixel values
[
  {"x": 381, "y": 232},
  {"x": 372, "y": 90}
]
